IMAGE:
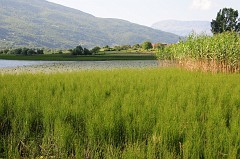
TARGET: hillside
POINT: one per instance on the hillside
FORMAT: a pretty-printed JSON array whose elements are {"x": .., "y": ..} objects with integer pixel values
[
  {"x": 39, "y": 23},
  {"x": 183, "y": 28}
]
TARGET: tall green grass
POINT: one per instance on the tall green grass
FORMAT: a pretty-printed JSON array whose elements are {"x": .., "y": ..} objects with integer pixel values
[
  {"x": 218, "y": 53},
  {"x": 145, "y": 113}
]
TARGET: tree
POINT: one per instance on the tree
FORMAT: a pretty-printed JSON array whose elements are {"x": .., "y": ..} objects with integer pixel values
[
  {"x": 107, "y": 48},
  {"x": 78, "y": 50},
  {"x": 86, "y": 52},
  {"x": 24, "y": 51},
  {"x": 136, "y": 46},
  {"x": 126, "y": 47},
  {"x": 18, "y": 51},
  {"x": 6, "y": 51},
  {"x": 117, "y": 48},
  {"x": 147, "y": 45},
  {"x": 40, "y": 51},
  {"x": 95, "y": 49},
  {"x": 226, "y": 20},
  {"x": 30, "y": 52}
]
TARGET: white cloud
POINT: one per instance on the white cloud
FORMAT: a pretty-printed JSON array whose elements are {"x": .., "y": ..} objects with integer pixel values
[{"x": 201, "y": 4}]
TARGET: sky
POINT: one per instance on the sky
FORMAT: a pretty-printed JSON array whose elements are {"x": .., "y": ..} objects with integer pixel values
[{"x": 147, "y": 12}]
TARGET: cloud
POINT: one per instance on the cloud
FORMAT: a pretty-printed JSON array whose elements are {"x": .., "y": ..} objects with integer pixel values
[{"x": 201, "y": 4}]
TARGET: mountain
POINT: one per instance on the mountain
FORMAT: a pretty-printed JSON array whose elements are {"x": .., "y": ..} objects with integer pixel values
[
  {"x": 183, "y": 28},
  {"x": 39, "y": 23}
]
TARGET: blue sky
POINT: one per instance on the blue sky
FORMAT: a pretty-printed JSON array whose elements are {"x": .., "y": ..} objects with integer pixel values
[{"x": 147, "y": 12}]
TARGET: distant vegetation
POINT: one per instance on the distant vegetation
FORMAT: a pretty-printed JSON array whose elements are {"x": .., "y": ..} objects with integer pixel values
[
  {"x": 124, "y": 52},
  {"x": 145, "y": 47},
  {"x": 80, "y": 51},
  {"x": 44, "y": 24},
  {"x": 22, "y": 51}
]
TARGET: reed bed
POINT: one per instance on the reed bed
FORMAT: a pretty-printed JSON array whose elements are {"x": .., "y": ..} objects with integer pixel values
[
  {"x": 218, "y": 53},
  {"x": 134, "y": 113}
]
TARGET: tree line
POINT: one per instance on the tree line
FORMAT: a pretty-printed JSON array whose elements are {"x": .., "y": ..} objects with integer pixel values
[
  {"x": 147, "y": 45},
  {"x": 79, "y": 50},
  {"x": 22, "y": 51}
]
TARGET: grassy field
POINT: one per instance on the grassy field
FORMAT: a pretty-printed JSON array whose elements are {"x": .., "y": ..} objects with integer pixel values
[
  {"x": 67, "y": 57},
  {"x": 134, "y": 113}
]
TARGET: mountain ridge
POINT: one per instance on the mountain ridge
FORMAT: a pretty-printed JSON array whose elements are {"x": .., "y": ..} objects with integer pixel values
[
  {"x": 183, "y": 28},
  {"x": 39, "y": 23}
]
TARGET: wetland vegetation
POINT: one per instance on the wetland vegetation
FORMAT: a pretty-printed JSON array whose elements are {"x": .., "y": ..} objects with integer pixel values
[
  {"x": 218, "y": 53},
  {"x": 143, "y": 113}
]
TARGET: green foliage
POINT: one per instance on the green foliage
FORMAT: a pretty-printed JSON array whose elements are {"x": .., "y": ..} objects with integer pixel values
[
  {"x": 136, "y": 46},
  {"x": 107, "y": 48},
  {"x": 96, "y": 49},
  {"x": 86, "y": 52},
  {"x": 147, "y": 45},
  {"x": 60, "y": 52},
  {"x": 117, "y": 48},
  {"x": 222, "y": 49},
  {"x": 80, "y": 51},
  {"x": 30, "y": 52},
  {"x": 226, "y": 20},
  {"x": 22, "y": 51},
  {"x": 123, "y": 47},
  {"x": 4, "y": 51},
  {"x": 147, "y": 113}
]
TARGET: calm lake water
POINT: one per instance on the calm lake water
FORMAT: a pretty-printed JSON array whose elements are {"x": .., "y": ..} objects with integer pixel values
[
  {"x": 79, "y": 64},
  {"x": 17, "y": 63}
]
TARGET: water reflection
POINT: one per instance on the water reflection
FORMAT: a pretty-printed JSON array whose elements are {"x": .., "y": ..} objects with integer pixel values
[{"x": 17, "y": 63}]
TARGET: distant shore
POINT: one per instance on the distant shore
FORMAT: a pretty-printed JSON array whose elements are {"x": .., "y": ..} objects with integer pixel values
[{"x": 67, "y": 57}]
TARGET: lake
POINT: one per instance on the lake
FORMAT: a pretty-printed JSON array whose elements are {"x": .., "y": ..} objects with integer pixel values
[
  {"x": 61, "y": 66},
  {"x": 18, "y": 63}
]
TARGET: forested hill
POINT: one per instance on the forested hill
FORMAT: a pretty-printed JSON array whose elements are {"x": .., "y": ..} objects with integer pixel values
[{"x": 39, "y": 23}]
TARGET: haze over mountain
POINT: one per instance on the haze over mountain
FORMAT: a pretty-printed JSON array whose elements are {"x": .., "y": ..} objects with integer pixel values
[
  {"x": 183, "y": 28},
  {"x": 39, "y": 23}
]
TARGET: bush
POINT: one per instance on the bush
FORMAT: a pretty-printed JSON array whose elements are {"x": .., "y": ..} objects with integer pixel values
[{"x": 147, "y": 45}]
